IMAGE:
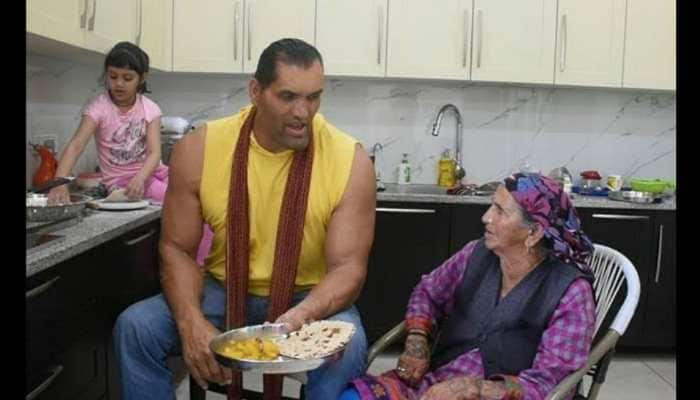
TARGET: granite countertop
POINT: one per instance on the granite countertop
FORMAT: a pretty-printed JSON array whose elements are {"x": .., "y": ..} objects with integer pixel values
[
  {"x": 408, "y": 194},
  {"x": 95, "y": 228}
]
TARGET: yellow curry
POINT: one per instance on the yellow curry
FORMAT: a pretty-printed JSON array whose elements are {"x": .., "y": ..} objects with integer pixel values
[{"x": 251, "y": 349}]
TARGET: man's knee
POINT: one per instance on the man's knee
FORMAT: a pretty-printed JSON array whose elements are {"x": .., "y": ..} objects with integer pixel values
[{"x": 130, "y": 322}]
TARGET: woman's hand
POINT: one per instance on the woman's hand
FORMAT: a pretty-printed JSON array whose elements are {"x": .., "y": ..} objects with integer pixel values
[
  {"x": 59, "y": 195},
  {"x": 134, "y": 190},
  {"x": 415, "y": 360},
  {"x": 462, "y": 388}
]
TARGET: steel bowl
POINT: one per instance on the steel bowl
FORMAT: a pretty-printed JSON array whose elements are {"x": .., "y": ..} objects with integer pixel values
[
  {"x": 59, "y": 211},
  {"x": 280, "y": 365}
]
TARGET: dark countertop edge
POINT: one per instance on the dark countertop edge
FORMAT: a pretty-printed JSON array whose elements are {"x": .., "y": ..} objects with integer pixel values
[
  {"x": 35, "y": 264},
  {"x": 579, "y": 201}
]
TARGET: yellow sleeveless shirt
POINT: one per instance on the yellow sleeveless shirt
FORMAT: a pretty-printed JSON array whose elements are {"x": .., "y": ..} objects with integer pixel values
[{"x": 334, "y": 151}]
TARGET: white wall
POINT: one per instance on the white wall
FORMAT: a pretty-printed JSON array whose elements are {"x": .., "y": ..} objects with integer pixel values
[{"x": 632, "y": 133}]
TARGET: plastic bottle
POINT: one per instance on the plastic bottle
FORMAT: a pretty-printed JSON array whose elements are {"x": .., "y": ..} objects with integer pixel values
[
  {"x": 446, "y": 170},
  {"x": 404, "y": 170}
]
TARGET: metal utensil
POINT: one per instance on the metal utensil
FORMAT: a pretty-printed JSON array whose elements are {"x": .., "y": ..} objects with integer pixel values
[
  {"x": 59, "y": 211},
  {"x": 634, "y": 196},
  {"x": 62, "y": 180},
  {"x": 280, "y": 365}
]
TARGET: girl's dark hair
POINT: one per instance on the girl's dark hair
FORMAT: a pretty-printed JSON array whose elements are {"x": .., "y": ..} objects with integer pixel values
[
  {"x": 128, "y": 55},
  {"x": 288, "y": 51}
]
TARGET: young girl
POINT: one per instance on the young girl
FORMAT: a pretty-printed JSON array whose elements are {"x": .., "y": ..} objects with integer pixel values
[{"x": 126, "y": 126}]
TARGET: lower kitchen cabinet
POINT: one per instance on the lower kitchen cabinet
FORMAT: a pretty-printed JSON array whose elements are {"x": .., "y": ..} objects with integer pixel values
[
  {"x": 70, "y": 312},
  {"x": 65, "y": 350},
  {"x": 647, "y": 238},
  {"x": 466, "y": 224},
  {"x": 410, "y": 240},
  {"x": 660, "y": 314}
]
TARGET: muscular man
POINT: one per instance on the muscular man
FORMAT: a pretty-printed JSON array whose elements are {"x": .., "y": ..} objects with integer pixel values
[{"x": 290, "y": 199}]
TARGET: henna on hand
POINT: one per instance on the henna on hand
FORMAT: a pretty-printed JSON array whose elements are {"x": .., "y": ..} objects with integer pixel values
[{"x": 417, "y": 346}]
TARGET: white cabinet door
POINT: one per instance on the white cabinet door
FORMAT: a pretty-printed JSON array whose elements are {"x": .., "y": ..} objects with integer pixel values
[
  {"x": 429, "y": 40},
  {"x": 650, "y": 45},
  {"x": 155, "y": 32},
  {"x": 514, "y": 40},
  {"x": 110, "y": 22},
  {"x": 590, "y": 40},
  {"x": 351, "y": 36},
  {"x": 208, "y": 38},
  {"x": 269, "y": 20},
  {"x": 62, "y": 20}
]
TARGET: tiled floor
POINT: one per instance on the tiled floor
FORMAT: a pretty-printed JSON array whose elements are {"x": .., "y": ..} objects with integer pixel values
[{"x": 629, "y": 378}]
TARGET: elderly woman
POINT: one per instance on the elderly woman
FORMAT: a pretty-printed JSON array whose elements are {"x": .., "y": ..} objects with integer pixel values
[{"x": 515, "y": 309}]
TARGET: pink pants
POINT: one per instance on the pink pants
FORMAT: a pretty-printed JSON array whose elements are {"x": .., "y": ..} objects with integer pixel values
[{"x": 154, "y": 190}]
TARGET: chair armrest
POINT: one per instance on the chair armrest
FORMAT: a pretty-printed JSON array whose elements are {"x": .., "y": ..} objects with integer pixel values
[
  {"x": 385, "y": 341},
  {"x": 599, "y": 350}
]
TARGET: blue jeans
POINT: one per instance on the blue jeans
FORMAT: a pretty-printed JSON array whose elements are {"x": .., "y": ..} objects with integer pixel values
[{"x": 145, "y": 334}]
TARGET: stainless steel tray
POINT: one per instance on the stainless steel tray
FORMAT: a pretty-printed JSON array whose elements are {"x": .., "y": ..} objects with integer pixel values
[
  {"x": 280, "y": 365},
  {"x": 634, "y": 196}
]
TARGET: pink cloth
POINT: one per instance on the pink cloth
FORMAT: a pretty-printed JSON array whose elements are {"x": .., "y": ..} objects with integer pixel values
[{"x": 121, "y": 136}]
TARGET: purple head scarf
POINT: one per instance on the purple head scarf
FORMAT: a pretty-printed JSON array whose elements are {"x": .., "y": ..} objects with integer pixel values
[{"x": 548, "y": 205}]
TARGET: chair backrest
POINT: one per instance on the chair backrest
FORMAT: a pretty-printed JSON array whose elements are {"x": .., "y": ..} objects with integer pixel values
[{"x": 611, "y": 268}]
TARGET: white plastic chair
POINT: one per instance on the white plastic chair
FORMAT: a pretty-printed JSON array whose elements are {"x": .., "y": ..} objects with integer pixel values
[{"x": 611, "y": 269}]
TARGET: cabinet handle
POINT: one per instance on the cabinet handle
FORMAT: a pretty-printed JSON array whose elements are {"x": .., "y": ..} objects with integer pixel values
[
  {"x": 618, "y": 216},
  {"x": 466, "y": 39},
  {"x": 91, "y": 22},
  {"x": 250, "y": 11},
  {"x": 235, "y": 30},
  {"x": 140, "y": 238},
  {"x": 41, "y": 288},
  {"x": 480, "y": 21},
  {"x": 83, "y": 16},
  {"x": 406, "y": 210},
  {"x": 140, "y": 32},
  {"x": 658, "y": 254},
  {"x": 380, "y": 24},
  {"x": 562, "y": 50},
  {"x": 55, "y": 371}
]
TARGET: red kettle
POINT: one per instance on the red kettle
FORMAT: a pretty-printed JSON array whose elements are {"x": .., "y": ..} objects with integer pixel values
[{"x": 48, "y": 166}]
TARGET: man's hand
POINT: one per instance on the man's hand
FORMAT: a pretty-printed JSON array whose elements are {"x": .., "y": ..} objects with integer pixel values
[
  {"x": 462, "y": 388},
  {"x": 294, "y": 318},
  {"x": 198, "y": 357},
  {"x": 414, "y": 363}
]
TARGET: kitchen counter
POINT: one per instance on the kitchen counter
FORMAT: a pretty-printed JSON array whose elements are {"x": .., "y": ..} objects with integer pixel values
[
  {"x": 395, "y": 193},
  {"x": 95, "y": 228}
]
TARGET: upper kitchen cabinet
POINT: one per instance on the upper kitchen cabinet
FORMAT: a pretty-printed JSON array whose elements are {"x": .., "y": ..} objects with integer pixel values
[
  {"x": 110, "y": 22},
  {"x": 87, "y": 24},
  {"x": 514, "y": 41},
  {"x": 429, "y": 41},
  {"x": 64, "y": 20},
  {"x": 351, "y": 36},
  {"x": 590, "y": 41},
  {"x": 155, "y": 32},
  {"x": 650, "y": 45},
  {"x": 208, "y": 38},
  {"x": 269, "y": 20}
]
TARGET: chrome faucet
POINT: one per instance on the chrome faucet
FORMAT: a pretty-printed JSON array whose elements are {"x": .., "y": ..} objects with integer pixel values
[
  {"x": 373, "y": 155},
  {"x": 459, "y": 169}
]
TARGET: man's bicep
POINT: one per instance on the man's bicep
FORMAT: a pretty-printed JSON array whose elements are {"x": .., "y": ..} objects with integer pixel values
[
  {"x": 182, "y": 215},
  {"x": 351, "y": 229}
]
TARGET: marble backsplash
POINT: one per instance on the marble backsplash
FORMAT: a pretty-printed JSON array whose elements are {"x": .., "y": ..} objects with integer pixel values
[{"x": 631, "y": 133}]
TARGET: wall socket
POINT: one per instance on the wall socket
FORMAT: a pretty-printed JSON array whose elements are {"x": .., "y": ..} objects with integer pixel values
[{"x": 48, "y": 140}]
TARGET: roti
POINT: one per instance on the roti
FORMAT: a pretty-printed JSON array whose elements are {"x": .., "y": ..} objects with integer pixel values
[{"x": 317, "y": 339}]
